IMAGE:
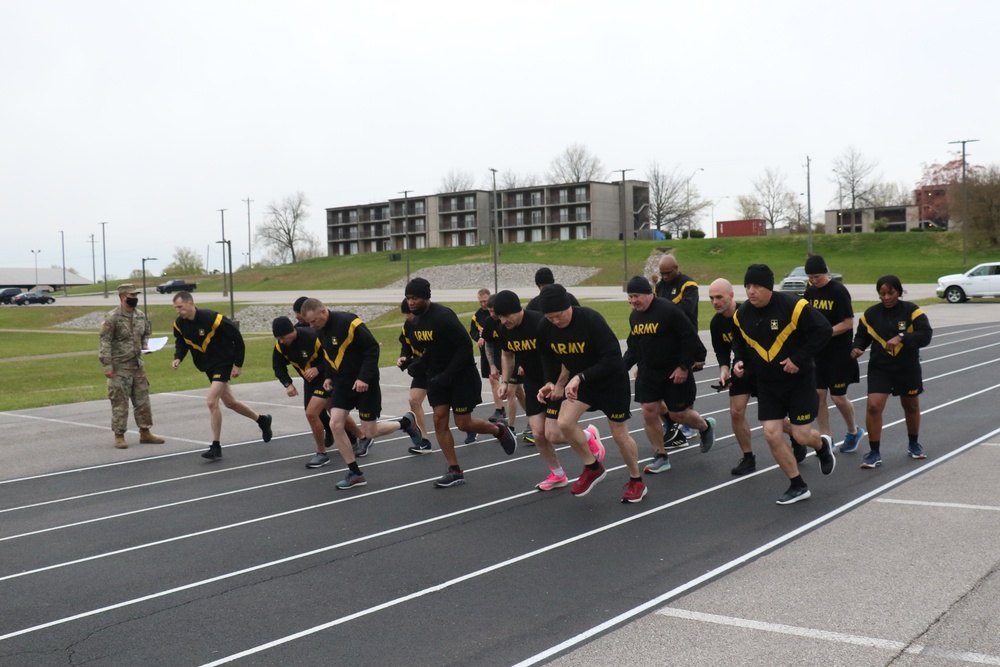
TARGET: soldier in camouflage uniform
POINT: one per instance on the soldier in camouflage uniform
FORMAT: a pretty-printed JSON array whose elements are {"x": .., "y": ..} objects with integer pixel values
[{"x": 124, "y": 334}]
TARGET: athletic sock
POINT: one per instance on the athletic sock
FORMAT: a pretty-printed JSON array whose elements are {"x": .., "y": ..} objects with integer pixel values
[
  {"x": 798, "y": 482},
  {"x": 259, "y": 419},
  {"x": 215, "y": 443},
  {"x": 596, "y": 465},
  {"x": 455, "y": 468},
  {"x": 558, "y": 472},
  {"x": 404, "y": 423},
  {"x": 353, "y": 466},
  {"x": 912, "y": 437},
  {"x": 874, "y": 444}
]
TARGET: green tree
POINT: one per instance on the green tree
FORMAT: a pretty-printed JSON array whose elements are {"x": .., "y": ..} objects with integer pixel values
[{"x": 186, "y": 262}]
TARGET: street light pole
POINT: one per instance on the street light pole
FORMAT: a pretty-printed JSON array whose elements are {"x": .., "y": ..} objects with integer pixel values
[
  {"x": 222, "y": 211},
  {"x": 228, "y": 244},
  {"x": 249, "y": 239},
  {"x": 496, "y": 232},
  {"x": 62, "y": 242},
  {"x": 625, "y": 232},
  {"x": 104, "y": 251},
  {"x": 809, "y": 206},
  {"x": 965, "y": 205},
  {"x": 144, "y": 260},
  {"x": 406, "y": 229},
  {"x": 93, "y": 257},
  {"x": 35, "y": 253}
]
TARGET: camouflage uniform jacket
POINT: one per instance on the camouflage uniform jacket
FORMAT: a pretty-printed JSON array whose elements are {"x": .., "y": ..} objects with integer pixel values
[{"x": 123, "y": 336}]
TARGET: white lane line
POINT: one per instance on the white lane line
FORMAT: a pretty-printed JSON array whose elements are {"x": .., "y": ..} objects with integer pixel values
[
  {"x": 750, "y": 555},
  {"x": 838, "y": 637},
  {"x": 928, "y": 503}
]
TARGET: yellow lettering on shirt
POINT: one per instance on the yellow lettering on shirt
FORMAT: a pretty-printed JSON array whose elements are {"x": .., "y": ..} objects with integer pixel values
[{"x": 647, "y": 329}]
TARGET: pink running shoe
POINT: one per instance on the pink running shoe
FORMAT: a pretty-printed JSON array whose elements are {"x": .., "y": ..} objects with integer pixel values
[
  {"x": 553, "y": 481},
  {"x": 594, "y": 442}
]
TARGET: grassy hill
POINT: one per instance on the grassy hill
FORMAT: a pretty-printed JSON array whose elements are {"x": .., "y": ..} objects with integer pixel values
[{"x": 862, "y": 258}]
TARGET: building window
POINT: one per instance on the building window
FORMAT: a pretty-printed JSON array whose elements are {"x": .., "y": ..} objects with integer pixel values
[
  {"x": 519, "y": 236},
  {"x": 470, "y": 220},
  {"x": 470, "y": 202},
  {"x": 470, "y": 238},
  {"x": 581, "y": 194},
  {"x": 536, "y": 198},
  {"x": 562, "y": 215},
  {"x": 581, "y": 212},
  {"x": 581, "y": 232},
  {"x": 519, "y": 218},
  {"x": 536, "y": 217},
  {"x": 418, "y": 208},
  {"x": 564, "y": 233},
  {"x": 536, "y": 234},
  {"x": 562, "y": 196},
  {"x": 418, "y": 242},
  {"x": 519, "y": 199}
]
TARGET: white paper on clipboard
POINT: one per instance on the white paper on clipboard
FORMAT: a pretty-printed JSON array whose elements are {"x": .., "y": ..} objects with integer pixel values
[{"x": 156, "y": 344}]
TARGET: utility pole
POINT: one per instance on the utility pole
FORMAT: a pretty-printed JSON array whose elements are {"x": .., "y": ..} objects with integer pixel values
[
  {"x": 809, "y": 207},
  {"x": 625, "y": 231},
  {"x": 249, "y": 239},
  {"x": 406, "y": 229},
  {"x": 104, "y": 251},
  {"x": 222, "y": 211},
  {"x": 965, "y": 205},
  {"x": 93, "y": 258},
  {"x": 62, "y": 242},
  {"x": 496, "y": 233}
]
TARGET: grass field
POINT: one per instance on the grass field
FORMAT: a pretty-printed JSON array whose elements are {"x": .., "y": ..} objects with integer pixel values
[{"x": 33, "y": 377}]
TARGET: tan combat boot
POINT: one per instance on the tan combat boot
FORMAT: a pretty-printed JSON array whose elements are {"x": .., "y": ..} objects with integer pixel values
[
  {"x": 146, "y": 437},
  {"x": 120, "y": 441}
]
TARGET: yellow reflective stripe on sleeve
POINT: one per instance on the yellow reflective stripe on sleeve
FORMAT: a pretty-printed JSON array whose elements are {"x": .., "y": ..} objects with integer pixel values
[
  {"x": 771, "y": 353},
  {"x": 208, "y": 339},
  {"x": 680, "y": 294}
]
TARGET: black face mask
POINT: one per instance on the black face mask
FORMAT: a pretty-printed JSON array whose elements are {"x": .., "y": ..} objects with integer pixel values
[{"x": 132, "y": 301}]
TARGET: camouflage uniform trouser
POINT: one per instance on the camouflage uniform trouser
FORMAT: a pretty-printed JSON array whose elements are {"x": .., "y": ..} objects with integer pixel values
[{"x": 130, "y": 383}]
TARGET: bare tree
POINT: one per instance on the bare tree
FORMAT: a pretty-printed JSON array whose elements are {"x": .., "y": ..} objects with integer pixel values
[
  {"x": 186, "y": 262},
  {"x": 891, "y": 194},
  {"x": 283, "y": 231},
  {"x": 511, "y": 179},
  {"x": 457, "y": 180},
  {"x": 576, "y": 165},
  {"x": 854, "y": 178},
  {"x": 748, "y": 207},
  {"x": 670, "y": 200},
  {"x": 977, "y": 204},
  {"x": 775, "y": 201}
]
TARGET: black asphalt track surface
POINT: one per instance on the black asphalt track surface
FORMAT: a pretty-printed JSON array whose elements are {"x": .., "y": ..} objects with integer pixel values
[{"x": 254, "y": 560}]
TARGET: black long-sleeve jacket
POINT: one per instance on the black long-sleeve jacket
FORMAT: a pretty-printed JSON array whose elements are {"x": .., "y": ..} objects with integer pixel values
[
  {"x": 303, "y": 353},
  {"x": 447, "y": 348},
  {"x": 212, "y": 338},
  {"x": 786, "y": 328},
  {"x": 880, "y": 324},
  {"x": 722, "y": 328},
  {"x": 351, "y": 350},
  {"x": 682, "y": 291},
  {"x": 587, "y": 345}
]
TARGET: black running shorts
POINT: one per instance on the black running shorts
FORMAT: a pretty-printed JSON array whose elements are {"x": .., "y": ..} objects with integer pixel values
[{"x": 794, "y": 398}]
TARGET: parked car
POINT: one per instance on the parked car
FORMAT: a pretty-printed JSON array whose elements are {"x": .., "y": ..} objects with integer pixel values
[
  {"x": 7, "y": 294},
  {"x": 33, "y": 297},
  {"x": 176, "y": 286},
  {"x": 981, "y": 280},
  {"x": 796, "y": 281}
]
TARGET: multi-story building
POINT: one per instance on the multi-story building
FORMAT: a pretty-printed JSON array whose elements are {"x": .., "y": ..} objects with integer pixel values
[{"x": 538, "y": 213}]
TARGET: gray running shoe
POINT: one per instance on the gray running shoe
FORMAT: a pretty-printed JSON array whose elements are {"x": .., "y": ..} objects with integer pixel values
[
  {"x": 362, "y": 447},
  {"x": 351, "y": 481},
  {"x": 318, "y": 461},
  {"x": 450, "y": 478},
  {"x": 413, "y": 431},
  {"x": 708, "y": 436},
  {"x": 660, "y": 463}
]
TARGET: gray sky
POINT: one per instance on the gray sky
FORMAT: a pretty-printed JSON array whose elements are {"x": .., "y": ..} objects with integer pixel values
[{"x": 153, "y": 115}]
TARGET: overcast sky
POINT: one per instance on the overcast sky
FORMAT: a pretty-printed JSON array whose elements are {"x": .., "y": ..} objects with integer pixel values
[{"x": 151, "y": 116}]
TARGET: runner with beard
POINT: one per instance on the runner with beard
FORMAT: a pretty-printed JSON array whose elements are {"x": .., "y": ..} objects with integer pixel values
[
  {"x": 583, "y": 361},
  {"x": 519, "y": 348},
  {"x": 453, "y": 385}
]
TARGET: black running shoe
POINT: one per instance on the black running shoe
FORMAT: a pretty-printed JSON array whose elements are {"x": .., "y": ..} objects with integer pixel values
[
  {"x": 265, "y": 427},
  {"x": 674, "y": 437},
  {"x": 214, "y": 453},
  {"x": 827, "y": 461},
  {"x": 450, "y": 478},
  {"x": 507, "y": 439},
  {"x": 747, "y": 465},
  {"x": 794, "y": 495}
]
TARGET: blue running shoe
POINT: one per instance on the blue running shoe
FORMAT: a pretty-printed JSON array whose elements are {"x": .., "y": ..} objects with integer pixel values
[
  {"x": 351, "y": 481},
  {"x": 872, "y": 460},
  {"x": 851, "y": 441},
  {"x": 470, "y": 438},
  {"x": 916, "y": 451}
]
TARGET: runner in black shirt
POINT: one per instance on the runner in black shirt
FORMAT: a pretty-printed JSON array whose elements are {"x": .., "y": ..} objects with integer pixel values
[
  {"x": 581, "y": 355},
  {"x": 664, "y": 345},
  {"x": 217, "y": 349},
  {"x": 775, "y": 339},
  {"x": 352, "y": 378},
  {"x": 453, "y": 385},
  {"x": 301, "y": 347},
  {"x": 520, "y": 356},
  {"x": 411, "y": 360},
  {"x": 481, "y": 321}
]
